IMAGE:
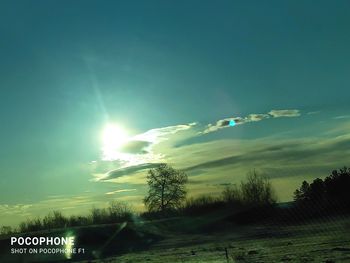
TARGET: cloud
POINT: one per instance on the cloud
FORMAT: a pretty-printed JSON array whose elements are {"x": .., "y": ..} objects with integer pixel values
[
  {"x": 103, "y": 166},
  {"x": 127, "y": 170},
  {"x": 135, "y": 147},
  {"x": 120, "y": 191},
  {"x": 284, "y": 113},
  {"x": 286, "y": 161},
  {"x": 313, "y": 112},
  {"x": 256, "y": 117},
  {"x": 141, "y": 150},
  {"x": 14, "y": 209},
  {"x": 160, "y": 134},
  {"x": 342, "y": 117},
  {"x": 224, "y": 123},
  {"x": 306, "y": 152}
]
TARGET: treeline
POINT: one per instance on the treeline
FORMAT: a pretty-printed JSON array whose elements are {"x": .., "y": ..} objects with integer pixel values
[
  {"x": 328, "y": 196},
  {"x": 255, "y": 192},
  {"x": 114, "y": 213},
  {"x": 252, "y": 200}
]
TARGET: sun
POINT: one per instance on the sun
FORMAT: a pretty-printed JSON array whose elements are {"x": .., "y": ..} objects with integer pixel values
[{"x": 113, "y": 137}]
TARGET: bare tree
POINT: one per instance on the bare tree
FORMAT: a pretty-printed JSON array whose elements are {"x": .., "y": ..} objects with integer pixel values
[
  {"x": 257, "y": 190},
  {"x": 166, "y": 188}
]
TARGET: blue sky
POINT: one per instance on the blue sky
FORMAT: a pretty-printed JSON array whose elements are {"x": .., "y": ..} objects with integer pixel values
[{"x": 69, "y": 68}]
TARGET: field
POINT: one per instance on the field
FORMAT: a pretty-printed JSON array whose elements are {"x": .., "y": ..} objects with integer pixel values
[
  {"x": 203, "y": 239},
  {"x": 327, "y": 240}
]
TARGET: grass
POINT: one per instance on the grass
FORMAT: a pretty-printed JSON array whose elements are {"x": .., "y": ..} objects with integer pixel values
[
  {"x": 326, "y": 241},
  {"x": 208, "y": 238}
]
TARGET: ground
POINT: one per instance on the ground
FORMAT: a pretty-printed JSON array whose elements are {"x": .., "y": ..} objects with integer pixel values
[
  {"x": 326, "y": 240},
  {"x": 209, "y": 238}
]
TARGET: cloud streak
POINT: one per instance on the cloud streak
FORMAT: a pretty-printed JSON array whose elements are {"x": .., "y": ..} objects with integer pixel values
[
  {"x": 127, "y": 170},
  {"x": 284, "y": 113},
  {"x": 120, "y": 191},
  {"x": 225, "y": 123},
  {"x": 288, "y": 152},
  {"x": 160, "y": 134}
]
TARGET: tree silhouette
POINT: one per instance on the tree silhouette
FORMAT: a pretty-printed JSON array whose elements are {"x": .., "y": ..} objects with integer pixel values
[
  {"x": 337, "y": 186},
  {"x": 257, "y": 190},
  {"x": 166, "y": 188},
  {"x": 332, "y": 192},
  {"x": 302, "y": 194}
]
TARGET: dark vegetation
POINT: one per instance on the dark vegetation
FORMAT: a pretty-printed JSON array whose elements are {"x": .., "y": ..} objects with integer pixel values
[
  {"x": 331, "y": 193},
  {"x": 255, "y": 192},
  {"x": 116, "y": 212},
  {"x": 251, "y": 201},
  {"x": 166, "y": 189},
  {"x": 323, "y": 197}
]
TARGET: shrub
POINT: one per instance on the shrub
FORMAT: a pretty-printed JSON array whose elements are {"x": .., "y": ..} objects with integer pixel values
[
  {"x": 257, "y": 190},
  {"x": 6, "y": 230},
  {"x": 54, "y": 219},
  {"x": 31, "y": 225},
  {"x": 119, "y": 211},
  {"x": 232, "y": 194},
  {"x": 201, "y": 204},
  {"x": 116, "y": 212},
  {"x": 99, "y": 216}
]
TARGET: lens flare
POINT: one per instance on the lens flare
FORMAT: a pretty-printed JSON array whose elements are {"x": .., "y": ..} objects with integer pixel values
[
  {"x": 232, "y": 123},
  {"x": 68, "y": 247}
]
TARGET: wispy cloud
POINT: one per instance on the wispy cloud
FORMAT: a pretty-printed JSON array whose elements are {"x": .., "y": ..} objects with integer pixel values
[
  {"x": 138, "y": 153},
  {"x": 136, "y": 147},
  {"x": 160, "y": 134},
  {"x": 224, "y": 123},
  {"x": 126, "y": 170},
  {"x": 284, "y": 113},
  {"x": 313, "y": 112},
  {"x": 121, "y": 191},
  {"x": 342, "y": 117},
  {"x": 268, "y": 152},
  {"x": 14, "y": 209}
]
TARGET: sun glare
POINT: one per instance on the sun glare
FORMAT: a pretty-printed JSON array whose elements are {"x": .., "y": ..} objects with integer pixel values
[{"x": 113, "y": 138}]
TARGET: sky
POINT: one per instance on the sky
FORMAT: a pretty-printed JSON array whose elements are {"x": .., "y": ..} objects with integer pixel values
[{"x": 95, "y": 93}]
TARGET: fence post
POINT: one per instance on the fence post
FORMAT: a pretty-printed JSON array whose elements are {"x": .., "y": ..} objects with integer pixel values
[{"x": 226, "y": 253}]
